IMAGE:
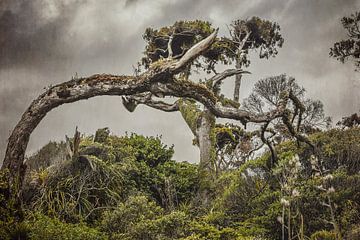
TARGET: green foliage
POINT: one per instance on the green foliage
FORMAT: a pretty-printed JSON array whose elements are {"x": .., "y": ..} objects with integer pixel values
[
  {"x": 149, "y": 150},
  {"x": 349, "y": 49},
  {"x": 78, "y": 187},
  {"x": 323, "y": 235},
  {"x": 52, "y": 153},
  {"x": 10, "y": 228},
  {"x": 250, "y": 197},
  {"x": 148, "y": 169},
  {"x": 202, "y": 230},
  {"x": 263, "y": 36},
  {"x": 179, "y": 182},
  {"x": 101, "y": 135},
  {"x": 14, "y": 230},
  {"x": 140, "y": 218},
  {"x": 129, "y": 188},
  {"x": 241, "y": 199},
  {"x": 46, "y": 228},
  {"x": 106, "y": 173},
  {"x": 184, "y": 33},
  {"x": 342, "y": 153},
  {"x": 354, "y": 232}
]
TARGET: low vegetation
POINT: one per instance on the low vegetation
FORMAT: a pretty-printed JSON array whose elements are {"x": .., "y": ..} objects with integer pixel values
[{"x": 128, "y": 187}]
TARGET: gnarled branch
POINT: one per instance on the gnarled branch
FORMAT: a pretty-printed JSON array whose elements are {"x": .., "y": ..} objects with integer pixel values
[
  {"x": 84, "y": 88},
  {"x": 146, "y": 98},
  {"x": 218, "y": 78}
]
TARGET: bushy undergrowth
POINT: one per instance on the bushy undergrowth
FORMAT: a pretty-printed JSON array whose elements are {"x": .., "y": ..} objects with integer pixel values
[{"x": 129, "y": 188}]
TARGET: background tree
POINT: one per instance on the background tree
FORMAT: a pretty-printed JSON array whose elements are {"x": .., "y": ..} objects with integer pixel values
[
  {"x": 306, "y": 118},
  {"x": 349, "y": 49},
  {"x": 349, "y": 121},
  {"x": 235, "y": 145},
  {"x": 247, "y": 36}
]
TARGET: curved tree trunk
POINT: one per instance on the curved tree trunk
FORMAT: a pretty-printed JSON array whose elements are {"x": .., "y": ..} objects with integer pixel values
[
  {"x": 67, "y": 92},
  {"x": 84, "y": 88}
]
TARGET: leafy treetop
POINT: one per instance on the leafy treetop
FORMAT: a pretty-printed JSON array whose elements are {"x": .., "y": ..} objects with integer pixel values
[
  {"x": 245, "y": 35},
  {"x": 349, "y": 49}
]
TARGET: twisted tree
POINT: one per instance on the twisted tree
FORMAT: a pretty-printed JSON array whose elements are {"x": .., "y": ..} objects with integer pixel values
[
  {"x": 245, "y": 36},
  {"x": 163, "y": 77}
]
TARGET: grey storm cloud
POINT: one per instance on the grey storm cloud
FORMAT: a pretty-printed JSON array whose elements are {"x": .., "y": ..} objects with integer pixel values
[
  {"x": 46, "y": 42},
  {"x": 31, "y": 32}
]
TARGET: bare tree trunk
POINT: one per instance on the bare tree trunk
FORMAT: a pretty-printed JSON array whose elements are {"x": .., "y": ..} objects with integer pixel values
[
  {"x": 206, "y": 123},
  {"x": 206, "y": 139},
  {"x": 237, "y": 83},
  {"x": 201, "y": 124}
]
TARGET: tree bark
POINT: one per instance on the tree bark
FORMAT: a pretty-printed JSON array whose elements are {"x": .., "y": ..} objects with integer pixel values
[
  {"x": 206, "y": 142},
  {"x": 206, "y": 124},
  {"x": 237, "y": 82},
  {"x": 201, "y": 124}
]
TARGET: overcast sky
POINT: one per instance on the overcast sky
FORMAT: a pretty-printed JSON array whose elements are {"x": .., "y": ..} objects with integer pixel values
[{"x": 46, "y": 42}]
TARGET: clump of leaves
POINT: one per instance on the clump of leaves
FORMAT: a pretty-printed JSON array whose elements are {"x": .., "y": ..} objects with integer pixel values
[
  {"x": 46, "y": 228},
  {"x": 141, "y": 218},
  {"x": 349, "y": 49}
]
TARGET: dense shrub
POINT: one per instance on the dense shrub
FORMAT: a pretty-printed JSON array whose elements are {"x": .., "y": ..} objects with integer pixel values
[
  {"x": 140, "y": 218},
  {"x": 323, "y": 235},
  {"x": 46, "y": 228}
]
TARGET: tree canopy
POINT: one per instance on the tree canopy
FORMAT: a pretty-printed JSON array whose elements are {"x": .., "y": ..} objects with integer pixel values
[
  {"x": 244, "y": 36},
  {"x": 349, "y": 49}
]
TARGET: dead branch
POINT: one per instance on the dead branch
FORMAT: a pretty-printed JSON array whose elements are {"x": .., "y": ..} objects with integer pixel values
[
  {"x": 268, "y": 143},
  {"x": 218, "y": 78},
  {"x": 146, "y": 99},
  {"x": 169, "y": 47},
  {"x": 196, "y": 50}
]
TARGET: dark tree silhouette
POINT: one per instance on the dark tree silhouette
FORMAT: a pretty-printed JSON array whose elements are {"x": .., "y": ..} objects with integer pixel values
[{"x": 349, "y": 49}]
